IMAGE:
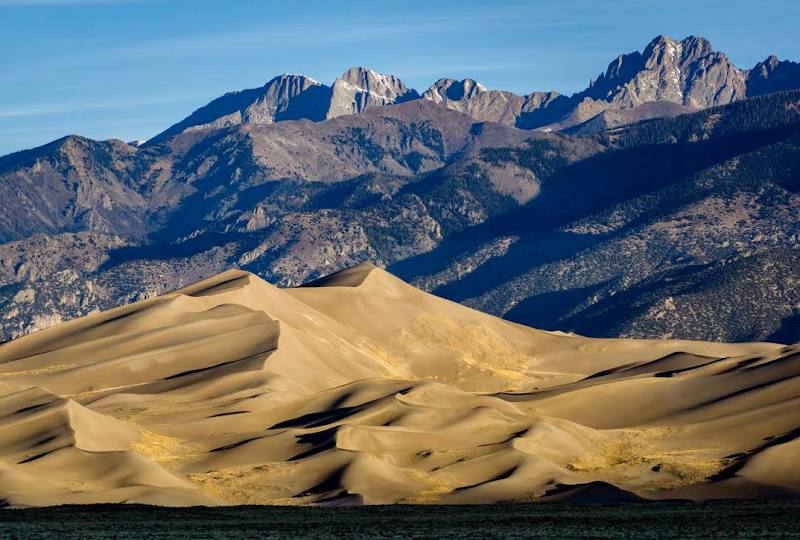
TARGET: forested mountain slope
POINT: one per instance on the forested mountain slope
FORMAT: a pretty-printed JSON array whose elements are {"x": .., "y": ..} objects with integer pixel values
[{"x": 601, "y": 233}]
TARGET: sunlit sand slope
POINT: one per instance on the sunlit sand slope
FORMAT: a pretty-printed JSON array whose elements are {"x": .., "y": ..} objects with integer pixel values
[{"x": 360, "y": 389}]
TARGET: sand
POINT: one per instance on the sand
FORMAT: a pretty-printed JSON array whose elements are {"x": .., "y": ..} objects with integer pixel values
[{"x": 360, "y": 389}]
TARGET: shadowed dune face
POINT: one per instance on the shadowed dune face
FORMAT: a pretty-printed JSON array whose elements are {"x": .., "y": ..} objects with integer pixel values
[{"x": 360, "y": 389}]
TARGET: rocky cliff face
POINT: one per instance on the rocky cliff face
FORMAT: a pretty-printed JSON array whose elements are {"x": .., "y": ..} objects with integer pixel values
[
  {"x": 360, "y": 88},
  {"x": 689, "y": 72},
  {"x": 470, "y": 97},
  {"x": 285, "y": 97}
]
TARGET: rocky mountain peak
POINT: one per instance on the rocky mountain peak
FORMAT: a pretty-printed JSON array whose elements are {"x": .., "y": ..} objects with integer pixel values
[
  {"x": 624, "y": 67},
  {"x": 695, "y": 47},
  {"x": 664, "y": 49},
  {"x": 660, "y": 43},
  {"x": 689, "y": 72},
  {"x": 770, "y": 65},
  {"x": 360, "y": 88},
  {"x": 289, "y": 84},
  {"x": 277, "y": 97},
  {"x": 679, "y": 75},
  {"x": 773, "y": 75},
  {"x": 376, "y": 83},
  {"x": 453, "y": 90},
  {"x": 772, "y": 61},
  {"x": 285, "y": 97},
  {"x": 474, "y": 99}
]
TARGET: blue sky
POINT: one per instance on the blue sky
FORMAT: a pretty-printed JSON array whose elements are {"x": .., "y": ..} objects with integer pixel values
[{"x": 129, "y": 68}]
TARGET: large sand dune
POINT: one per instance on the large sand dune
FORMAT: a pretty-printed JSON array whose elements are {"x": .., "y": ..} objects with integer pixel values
[{"x": 359, "y": 388}]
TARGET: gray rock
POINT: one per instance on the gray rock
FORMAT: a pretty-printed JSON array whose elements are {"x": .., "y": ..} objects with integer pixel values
[
  {"x": 360, "y": 88},
  {"x": 286, "y": 97},
  {"x": 689, "y": 73}
]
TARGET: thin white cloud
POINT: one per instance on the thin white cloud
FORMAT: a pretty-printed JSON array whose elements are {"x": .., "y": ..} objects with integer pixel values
[
  {"x": 72, "y": 107},
  {"x": 307, "y": 34},
  {"x": 31, "y": 3}
]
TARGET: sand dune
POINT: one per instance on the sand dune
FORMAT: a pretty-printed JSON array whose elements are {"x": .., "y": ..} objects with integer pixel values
[{"x": 360, "y": 389}]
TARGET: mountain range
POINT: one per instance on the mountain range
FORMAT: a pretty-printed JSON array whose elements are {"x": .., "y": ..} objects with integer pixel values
[
  {"x": 689, "y": 74},
  {"x": 661, "y": 201}
]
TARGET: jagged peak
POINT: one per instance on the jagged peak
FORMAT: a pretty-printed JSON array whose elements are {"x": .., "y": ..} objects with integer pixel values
[
  {"x": 358, "y": 88},
  {"x": 662, "y": 39},
  {"x": 358, "y": 71},
  {"x": 696, "y": 40},
  {"x": 657, "y": 45},
  {"x": 619, "y": 65},
  {"x": 769, "y": 63},
  {"x": 369, "y": 80},
  {"x": 455, "y": 90},
  {"x": 773, "y": 75},
  {"x": 292, "y": 83},
  {"x": 284, "y": 77},
  {"x": 690, "y": 47},
  {"x": 467, "y": 82},
  {"x": 688, "y": 41},
  {"x": 697, "y": 47},
  {"x": 624, "y": 65}
]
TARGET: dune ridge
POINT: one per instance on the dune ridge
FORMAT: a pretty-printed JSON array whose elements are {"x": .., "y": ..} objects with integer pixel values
[{"x": 360, "y": 389}]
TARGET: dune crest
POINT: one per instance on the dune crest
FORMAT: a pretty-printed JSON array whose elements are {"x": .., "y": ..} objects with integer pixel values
[{"x": 360, "y": 389}]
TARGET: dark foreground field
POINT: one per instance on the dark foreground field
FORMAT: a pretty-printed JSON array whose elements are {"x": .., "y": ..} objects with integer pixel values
[{"x": 766, "y": 519}]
